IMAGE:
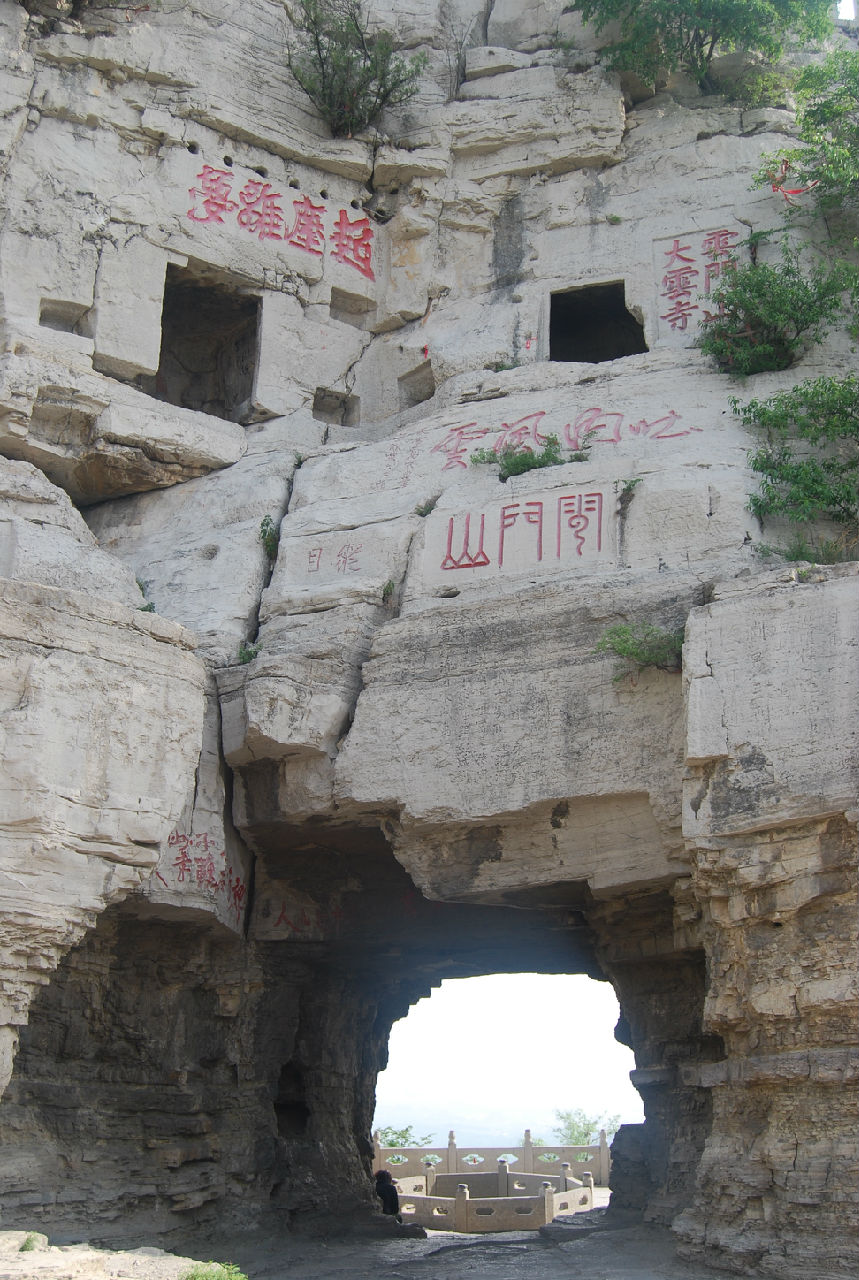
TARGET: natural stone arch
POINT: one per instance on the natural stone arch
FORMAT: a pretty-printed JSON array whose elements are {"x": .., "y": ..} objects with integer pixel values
[{"x": 203, "y": 1077}]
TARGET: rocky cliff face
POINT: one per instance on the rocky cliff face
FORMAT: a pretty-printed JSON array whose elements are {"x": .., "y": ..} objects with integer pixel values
[{"x": 376, "y": 748}]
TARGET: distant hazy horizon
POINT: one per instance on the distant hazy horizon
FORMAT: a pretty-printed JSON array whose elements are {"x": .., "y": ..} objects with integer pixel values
[{"x": 490, "y": 1057}]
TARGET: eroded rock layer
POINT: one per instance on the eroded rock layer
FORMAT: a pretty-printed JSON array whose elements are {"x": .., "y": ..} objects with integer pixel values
[{"x": 303, "y": 710}]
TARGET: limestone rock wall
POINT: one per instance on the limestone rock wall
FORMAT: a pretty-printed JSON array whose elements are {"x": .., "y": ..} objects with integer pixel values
[{"x": 244, "y": 369}]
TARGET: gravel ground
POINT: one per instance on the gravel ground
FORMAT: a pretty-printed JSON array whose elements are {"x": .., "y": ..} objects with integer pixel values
[{"x": 565, "y": 1250}]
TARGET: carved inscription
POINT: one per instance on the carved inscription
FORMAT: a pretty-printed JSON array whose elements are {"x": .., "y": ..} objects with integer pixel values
[
  {"x": 688, "y": 268},
  {"x": 593, "y": 425},
  {"x": 196, "y": 862},
  {"x": 560, "y": 528},
  {"x": 257, "y": 208}
]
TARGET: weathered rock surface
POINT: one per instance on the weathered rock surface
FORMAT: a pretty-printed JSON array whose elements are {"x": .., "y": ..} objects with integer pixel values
[{"x": 260, "y": 360}]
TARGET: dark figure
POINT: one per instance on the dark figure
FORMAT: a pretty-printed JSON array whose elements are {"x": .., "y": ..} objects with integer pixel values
[{"x": 387, "y": 1192}]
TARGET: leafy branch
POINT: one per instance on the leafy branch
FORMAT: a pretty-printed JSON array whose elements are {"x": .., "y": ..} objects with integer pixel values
[{"x": 349, "y": 73}]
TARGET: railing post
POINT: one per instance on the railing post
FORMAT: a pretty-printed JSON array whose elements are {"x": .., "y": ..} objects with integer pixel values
[
  {"x": 451, "y": 1153},
  {"x": 460, "y": 1208},
  {"x": 527, "y": 1154},
  {"x": 503, "y": 1170},
  {"x": 430, "y": 1174},
  {"x": 548, "y": 1202},
  {"x": 604, "y": 1166}
]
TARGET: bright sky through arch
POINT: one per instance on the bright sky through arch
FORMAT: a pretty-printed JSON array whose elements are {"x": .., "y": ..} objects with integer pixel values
[{"x": 491, "y": 1056}]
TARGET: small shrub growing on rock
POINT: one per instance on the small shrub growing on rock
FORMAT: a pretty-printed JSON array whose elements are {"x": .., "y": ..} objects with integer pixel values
[
  {"x": 247, "y": 652},
  {"x": 515, "y": 462},
  {"x": 349, "y": 73},
  {"x": 268, "y": 536},
  {"x": 767, "y": 313},
  {"x": 640, "y": 645}
]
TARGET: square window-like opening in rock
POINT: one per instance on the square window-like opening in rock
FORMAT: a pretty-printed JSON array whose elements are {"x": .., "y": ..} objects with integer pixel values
[
  {"x": 66, "y": 317},
  {"x": 593, "y": 324},
  {"x": 351, "y": 308},
  {"x": 336, "y": 407},
  {"x": 209, "y": 345},
  {"x": 417, "y": 386}
]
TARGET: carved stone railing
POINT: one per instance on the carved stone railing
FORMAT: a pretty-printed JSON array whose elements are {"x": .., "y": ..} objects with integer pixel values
[
  {"x": 405, "y": 1162},
  {"x": 499, "y": 1201}
]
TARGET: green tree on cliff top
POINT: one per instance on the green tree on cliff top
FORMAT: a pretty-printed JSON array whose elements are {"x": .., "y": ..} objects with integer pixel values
[{"x": 675, "y": 35}]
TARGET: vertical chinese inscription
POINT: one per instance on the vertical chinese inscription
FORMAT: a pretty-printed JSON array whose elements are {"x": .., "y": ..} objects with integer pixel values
[{"x": 688, "y": 268}]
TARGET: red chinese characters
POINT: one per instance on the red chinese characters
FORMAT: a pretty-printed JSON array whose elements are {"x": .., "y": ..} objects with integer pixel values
[
  {"x": 599, "y": 426},
  {"x": 258, "y": 210},
  {"x": 468, "y": 558},
  {"x": 576, "y": 512},
  {"x": 261, "y": 213},
  {"x": 308, "y": 229},
  {"x": 214, "y": 192},
  {"x": 682, "y": 278},
  {"x": 352, "y": 243},
  {"x": 531, "y": 513},
  {"x": 578, "y": 528},
  {"x": 593, "y": 425},
  {"x": 348, "y": 558},
  {"x": 455, "y": 445},
  {"x": 194, "y": 864}
]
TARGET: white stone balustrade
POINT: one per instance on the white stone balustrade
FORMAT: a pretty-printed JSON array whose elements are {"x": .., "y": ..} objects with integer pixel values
[{"x": 530, "y": 1158}]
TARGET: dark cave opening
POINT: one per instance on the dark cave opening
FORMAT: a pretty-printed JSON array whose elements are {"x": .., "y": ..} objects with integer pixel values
[
  {"x": 592, "y": 324},
  {"x": 209, "y": 345},
  {"x": 174, "y": 1076}
]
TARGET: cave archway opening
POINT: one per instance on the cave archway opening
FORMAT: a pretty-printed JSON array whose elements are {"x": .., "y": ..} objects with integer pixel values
[
  {"x": 174, "y": 1073},
  {"x": 489, "y": 1057}
]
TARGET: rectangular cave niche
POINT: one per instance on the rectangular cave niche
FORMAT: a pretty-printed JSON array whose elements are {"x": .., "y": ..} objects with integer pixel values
[
  {"x": 592, "y": 324},
  {"x": 336, "y": 407},
  {"x": 416, "y": 387},
  {"x": 209, "y": 345}
]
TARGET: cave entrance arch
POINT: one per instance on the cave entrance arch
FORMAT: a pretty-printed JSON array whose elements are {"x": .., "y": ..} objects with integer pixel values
[
  {"x": 175, "y": 1075},
  {"x": 503, "y": 1053}
]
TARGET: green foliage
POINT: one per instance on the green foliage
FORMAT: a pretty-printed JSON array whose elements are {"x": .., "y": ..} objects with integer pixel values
[
  {"x": 827, "y": 117},
  {"x": 766, "y": 313},
  {"x": 809, "y": 467},
  {"x": 349, "y": 73},
  {"x": 424, "y": 508},
  {"x": 576, "y": 1129},
  {"x": 388, "y": 591},
  {"x": 640, "y": 645},
  {"x": 247, "y": 652},
  {"x": 671, "y": 35},
  {"x": 391, "y": 1137},
  {"x": 515, "y": 462},
  {"x": 613, "y": 219},
  {"x": 213, "y": 1271},
  {"x": 149, "y": 607},
  {"x": 269, "y": 536},
  {"x": 31, "y": 1241},
  {"x": 760, "y": 86}
]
